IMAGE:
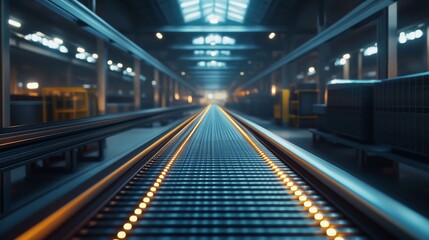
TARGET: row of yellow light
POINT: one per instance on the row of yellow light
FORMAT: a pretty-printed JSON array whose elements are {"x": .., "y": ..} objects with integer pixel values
[
  {"x": 138, "y": 211},
  {"x": 289, "y": 184}
]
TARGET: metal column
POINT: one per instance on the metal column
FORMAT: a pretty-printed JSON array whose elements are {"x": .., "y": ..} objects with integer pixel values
[
  {"x": 176, "y": 91},
  {"x": 5, "y": 96},
  {"x": 324, "y": 52},
  {"x": 427, "y": 48},
  {"x": 170, "y": 91},
  {"x": 387, "y": 42},
  {"x": 346, "y": 69},
  {"x": 101, "y": 76},
  {"x": 5, "y": 64},
  {"x": 360, "y": 66},
  {"x": 163, "y": 89},
  {"x": 156, "y": 88},
  {"x": 137, "y": 94}
]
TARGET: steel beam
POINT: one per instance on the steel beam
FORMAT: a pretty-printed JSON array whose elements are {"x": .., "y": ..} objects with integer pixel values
[
  {"x": 209, "y": 58},
  {"x": 357, "y": 15},
  {"x": 214, "y": 47},
  {"x": 387, "y": 42},
  {"x": 77, "y": 12},
  {"x": 4, "y": 65},
  {"x": 217, "y": 68},
  {"x": 225, "y": 29}
]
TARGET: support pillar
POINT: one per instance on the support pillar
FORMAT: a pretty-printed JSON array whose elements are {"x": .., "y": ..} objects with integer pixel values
[
  {"x": 427, "y": 48},
  {"x": 69, "y": 75},
  {"x": 360, "y": 66},
  {"x": 156, "y": 88},
  {"x": 387, "y": 42},
  {"x": 170, "y": 92},
  {"x": 346, "y": 69},
  {"x": 137, "y": 94},
  {"x": 163, "y": 89},
  {"x": 4, "y": 64},
  {"x": 324, "y": 52},
  {"x": 101, "y": 76},
  {"x": 176, "y": 91}
]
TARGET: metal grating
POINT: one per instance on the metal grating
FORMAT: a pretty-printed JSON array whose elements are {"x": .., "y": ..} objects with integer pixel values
[{"x": 218, "y": 187}]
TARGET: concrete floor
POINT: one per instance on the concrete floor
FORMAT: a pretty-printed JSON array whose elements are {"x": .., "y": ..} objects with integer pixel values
[{"x": 409, "y": 186}]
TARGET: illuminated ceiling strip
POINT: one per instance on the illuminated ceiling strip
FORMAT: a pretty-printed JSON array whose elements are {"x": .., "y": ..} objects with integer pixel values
[
  {"x": 360, "y": 13},
  {"x": 75, "y": 11}
]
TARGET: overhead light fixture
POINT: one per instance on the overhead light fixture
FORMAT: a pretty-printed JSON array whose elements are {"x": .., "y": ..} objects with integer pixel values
[
  {"x": 64, "y": 49},
  {"x": 159, "y": 35},
  {"x": 273, "y": 90},
  {"x": 58, "y": 40},
  {"x": 340, "y": 62},
  {"x": 32, "y": 85},
  {"x": 120, "y": 65},
  {"x": 110, "y": 62},
  {"x": 311, "y": 71},
  {"x": 183, "y": 73},
  {"x": 370, "y": 50},
  {"x": 241, "y": 73},
  {"x": 272, "y": 35},
  {"x": 81, "y": 50},
  {"x": 404, "y": 37},
  {"x": 346, "y": 56},
  {"x": 14, "y": 23},
  {"x": 47, "y": 41}
]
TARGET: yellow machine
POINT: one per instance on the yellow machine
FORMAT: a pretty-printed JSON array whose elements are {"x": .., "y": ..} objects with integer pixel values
[
  {"x": 281, "y": 108},
  {"x": 65, "y": 103}
]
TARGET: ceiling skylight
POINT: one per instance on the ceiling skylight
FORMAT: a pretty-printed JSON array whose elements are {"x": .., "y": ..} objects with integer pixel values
[
  {"x": 214, "y": 11},
  {"x": 213, "y": 39}
]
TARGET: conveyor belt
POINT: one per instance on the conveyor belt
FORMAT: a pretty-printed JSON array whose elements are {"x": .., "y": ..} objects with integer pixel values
[{"x": 218, "y": 186}]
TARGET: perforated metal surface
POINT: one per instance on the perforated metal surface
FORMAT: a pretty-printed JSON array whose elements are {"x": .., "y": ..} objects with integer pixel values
[{"x": 218, "y": 187}]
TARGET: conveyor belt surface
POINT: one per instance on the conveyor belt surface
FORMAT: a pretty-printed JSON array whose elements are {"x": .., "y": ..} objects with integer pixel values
[{"x": 219, "y": 186}]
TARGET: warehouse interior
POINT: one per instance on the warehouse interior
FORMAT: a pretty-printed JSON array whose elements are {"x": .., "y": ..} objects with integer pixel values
[{"x": 338, "y": 91}]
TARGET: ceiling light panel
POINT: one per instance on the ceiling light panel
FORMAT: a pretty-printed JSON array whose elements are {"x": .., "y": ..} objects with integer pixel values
[
  {"x": 214, "y": 11},
  {"x": 213, "y": 39}
]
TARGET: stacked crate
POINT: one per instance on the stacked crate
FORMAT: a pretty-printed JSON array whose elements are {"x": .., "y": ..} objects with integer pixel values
[
  {"x": 401, "y": 117},
  {"x": 301, "y": 105},
  {"x": 350, "y": 108}
]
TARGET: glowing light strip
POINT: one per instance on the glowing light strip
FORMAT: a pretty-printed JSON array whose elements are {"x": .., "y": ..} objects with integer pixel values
[
  {"x": 121, "y": 234},
  {"x": 289, "y": 184},
  {"x": 48, "y": 225}
]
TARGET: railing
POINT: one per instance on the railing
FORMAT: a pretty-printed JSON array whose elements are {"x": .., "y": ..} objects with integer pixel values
[
  {"x": 385, "y": 216},
  {"x": 17, "y": 145}
]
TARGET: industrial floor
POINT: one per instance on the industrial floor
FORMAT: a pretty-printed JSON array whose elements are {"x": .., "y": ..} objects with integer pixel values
[{"x": 409, "y": 186}]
